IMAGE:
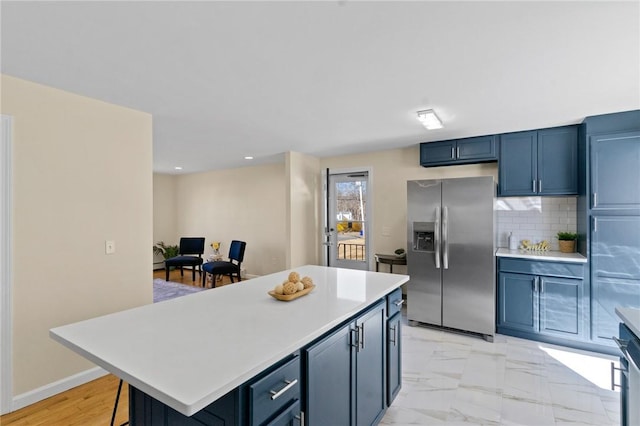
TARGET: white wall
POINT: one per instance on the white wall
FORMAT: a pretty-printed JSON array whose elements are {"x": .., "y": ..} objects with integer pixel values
[
  {"x": 303, "y": 210},
  {"x": 247, "y": 204},
  {"x": 81, "y": 175}
]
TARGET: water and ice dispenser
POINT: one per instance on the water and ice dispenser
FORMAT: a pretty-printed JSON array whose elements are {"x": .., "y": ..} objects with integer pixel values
[{"x": 423, "y": 236}]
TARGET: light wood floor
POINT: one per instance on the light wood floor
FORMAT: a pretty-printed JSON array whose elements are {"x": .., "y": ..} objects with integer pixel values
[{"x": 91, "y": 403}]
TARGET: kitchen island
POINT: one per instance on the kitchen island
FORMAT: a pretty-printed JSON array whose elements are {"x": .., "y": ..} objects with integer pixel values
[{"x": 189, "y": 352}]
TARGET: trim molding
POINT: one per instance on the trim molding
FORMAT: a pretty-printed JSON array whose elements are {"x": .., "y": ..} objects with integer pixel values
[
  {"x": 56, "y": 387},
  {"x": 6, "y": 283}
]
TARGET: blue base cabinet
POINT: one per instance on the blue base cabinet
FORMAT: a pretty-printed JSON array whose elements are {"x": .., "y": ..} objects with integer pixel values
[
  {"x": 539, "y": 162},
  {"x": 615, "y": 271},
  {"x": 537, "y": 298},
  {"x": 345, "y": 375},
  {"x": 394, "y": 357}
]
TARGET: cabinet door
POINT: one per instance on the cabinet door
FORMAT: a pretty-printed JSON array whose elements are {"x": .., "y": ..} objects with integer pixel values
[
  {"x": 482, "y": 148},
  {"x": 517, "y": 164},
  {"x": 394, "y": 357},
  {"x": 329, "y": 375},
  {"x": 516, "y": 301},
  {"x": 558, "y": 161},
  {"x": 615, "y": 175},
  {"x": 561, "y": 306},
  {"x": 291, "y": 416},
  {"x": 370, "y": 367},
  {"x": 437, "y": 152},
  {"x": 615, "y": 272}
]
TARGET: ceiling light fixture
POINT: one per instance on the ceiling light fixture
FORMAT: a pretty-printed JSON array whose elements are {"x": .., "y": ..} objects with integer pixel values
[
  {"x": 429, "y": 119},
  {"x": 178, "y": 168},
  {"x": 248, "y": 158}
]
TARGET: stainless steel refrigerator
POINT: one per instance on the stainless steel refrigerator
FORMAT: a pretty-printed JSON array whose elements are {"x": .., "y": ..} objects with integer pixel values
[{"x": 451, "y": 254}]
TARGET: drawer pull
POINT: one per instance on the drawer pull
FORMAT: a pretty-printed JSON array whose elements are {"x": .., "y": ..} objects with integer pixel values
[
  {"x": 300, "y": 418},
  {"x": 289, "y": 385},
  {"x": 399, "y": 302},
  {"x": 393, "y": 332}
]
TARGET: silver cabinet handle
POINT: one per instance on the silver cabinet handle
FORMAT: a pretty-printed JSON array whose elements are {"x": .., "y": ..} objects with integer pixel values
[
  {"x": 399, "y": 302},
  {"x": 614, "y": 385},
  {"x": 289, "y": 385},
  {"x": 534, "y": 186},
  {"x": 362, "y": 339},
  {"x": 458, "y": 152},
  {"x": 595, "y": 199},
  {"x": 300, "y": 418},
  {"x": 541, "y": 285},
  {"x": 453, "y": 153},
  {"x": 355, "y": 341},
  {"x": 539, "y": 185},
  {"x": 436, "y": 237},
  {"x": 393, "y": 339},
  {"x": 535, "y": 285},
  {"x": 595, "y": 224},
  {"x": 445, "y": 238}
]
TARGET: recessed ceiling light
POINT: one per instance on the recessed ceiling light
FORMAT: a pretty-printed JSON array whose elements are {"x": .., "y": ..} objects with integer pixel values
[
  {"x": 429, "y": 119},
  {"x": 178, "y": 168},
  {"x": 248, "y": 158}
]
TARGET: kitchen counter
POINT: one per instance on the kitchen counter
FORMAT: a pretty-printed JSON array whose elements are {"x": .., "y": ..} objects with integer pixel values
[
  {"x": 631, "y": 317},
  {"x": 555, "y": 256},
  {"x": 189, "y": 351}
]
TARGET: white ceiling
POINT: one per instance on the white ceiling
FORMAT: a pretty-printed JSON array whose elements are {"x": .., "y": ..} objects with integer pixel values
[{"x": 228, "y": 79}]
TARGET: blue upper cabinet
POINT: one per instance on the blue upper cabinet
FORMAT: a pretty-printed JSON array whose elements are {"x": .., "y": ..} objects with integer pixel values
[
  {"x": 518, "y": 162},
  {"x": 458, "y": 151},
  {"x": 539, "y": 162},
  {"x": 615, "y": 172}
]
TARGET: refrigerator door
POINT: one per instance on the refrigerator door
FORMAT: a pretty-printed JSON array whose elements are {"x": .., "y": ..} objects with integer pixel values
[
  {"x": 424, "y": 291},
  {"x": 468, "y": 279}
]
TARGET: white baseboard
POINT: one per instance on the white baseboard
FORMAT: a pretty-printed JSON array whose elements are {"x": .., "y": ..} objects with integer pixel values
[{"x": 44, "y": 392}]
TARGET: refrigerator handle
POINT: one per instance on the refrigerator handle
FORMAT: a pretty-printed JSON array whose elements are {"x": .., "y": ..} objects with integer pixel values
[
  {"x": 445, "y": 237},
  {"x": 436, "y": 237}
]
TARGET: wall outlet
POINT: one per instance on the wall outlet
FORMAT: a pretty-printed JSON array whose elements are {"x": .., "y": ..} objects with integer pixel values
[{"x": 109, "y": 247}]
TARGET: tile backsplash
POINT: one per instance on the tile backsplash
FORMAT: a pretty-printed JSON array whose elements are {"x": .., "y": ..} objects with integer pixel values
[{"x": 534, "y": 218}]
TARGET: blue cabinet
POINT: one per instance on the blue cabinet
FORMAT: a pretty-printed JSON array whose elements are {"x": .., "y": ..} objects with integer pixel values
[
  {"x": 394, "y": 357},
  {"x": 615, "y": 172},
  {"x": 345, "y": 374},
  {"x": 517, "y": 309},
  {"x": 539, "y": 162},
  {"x": 541, "y": 298},
  {"x": 328, "y": 379},
  {"x": 458, "y": 151},
  {"x": 615, "y": 271}
]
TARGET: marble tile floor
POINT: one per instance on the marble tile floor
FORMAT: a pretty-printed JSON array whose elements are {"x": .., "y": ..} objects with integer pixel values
[{"x": 456, "y": 379}]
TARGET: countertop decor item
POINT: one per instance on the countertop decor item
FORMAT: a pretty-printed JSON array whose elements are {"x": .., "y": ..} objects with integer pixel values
[
  {"x": 400, "y": 252},
  {"x": 528, "y": 245},
  {"x": 567, "y": 241},
  {"x": 290, "y": 297}
]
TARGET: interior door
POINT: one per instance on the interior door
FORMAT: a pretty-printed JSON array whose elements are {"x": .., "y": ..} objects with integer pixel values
[{"x": 348, "y": 220}]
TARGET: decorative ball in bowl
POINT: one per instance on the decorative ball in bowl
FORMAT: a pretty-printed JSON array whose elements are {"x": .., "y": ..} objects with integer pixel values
[{"x": 293, "y": 287}]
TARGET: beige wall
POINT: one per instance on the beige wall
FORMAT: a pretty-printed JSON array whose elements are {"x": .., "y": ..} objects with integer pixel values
[
  {"x": 81, "y": 175},
  {"x": 164, "y": 211},
  {"x": 303, "y": 212},
  {"x": 391, "y": 169},
  {"x": 247, "y": 204}
]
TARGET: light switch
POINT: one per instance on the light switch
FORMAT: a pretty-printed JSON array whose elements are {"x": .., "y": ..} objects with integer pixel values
[{"x": 109, "y": 247}]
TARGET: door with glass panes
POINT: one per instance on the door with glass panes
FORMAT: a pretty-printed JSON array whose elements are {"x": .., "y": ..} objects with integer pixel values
[{"x": 347, "y": 220}]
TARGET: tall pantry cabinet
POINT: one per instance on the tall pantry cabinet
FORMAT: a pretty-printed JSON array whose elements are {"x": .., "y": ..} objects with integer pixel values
[{"x": 609, "y": 216}]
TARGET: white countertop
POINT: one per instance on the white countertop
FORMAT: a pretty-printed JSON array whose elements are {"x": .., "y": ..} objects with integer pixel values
[
  {"x": 542, "y": 255},
  {"x": 189, "y": 351},
  {"x": 631, "y": 317}
]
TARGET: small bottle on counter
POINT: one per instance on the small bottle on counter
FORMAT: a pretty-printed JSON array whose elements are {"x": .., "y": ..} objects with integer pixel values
[{"x": 513, "y": 242}]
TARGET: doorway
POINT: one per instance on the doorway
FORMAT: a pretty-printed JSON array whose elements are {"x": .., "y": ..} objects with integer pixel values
[
  {"x": 348, "y": 219},
  {"x": 6, "y": 392}
]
